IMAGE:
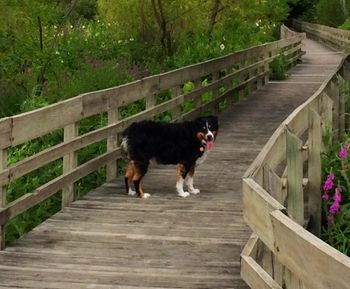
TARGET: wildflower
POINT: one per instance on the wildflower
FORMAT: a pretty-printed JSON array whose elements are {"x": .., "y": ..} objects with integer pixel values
[
  {"x": 120, "y": 41},
  {"x": 325, "y": 197},
  {"x": 222, "y": 46},
  {"x": 83, "y": 26},
  {"x": 343, "y": 153},
  {"x": 133, "y": 71},
  {"x": 257, "y": 24},
  {"x": 328, "y": 184},
  {"x": 337, "y": 196},
  {"x": 131, "y": 39},
  {"x": 334, "y": 208},
  {"x": 71, "y": 26}
]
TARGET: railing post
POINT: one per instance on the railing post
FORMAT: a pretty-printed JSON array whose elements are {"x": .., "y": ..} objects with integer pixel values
[
  {"x": 334, "y": 93},
  {"x": 295, "y": 197},
  {"x": 176, "y": 111},
  {"x": 314, "y": 172},
  {"x": 3, "y": 164},
  {"x": 112, "y": 144},
  {"x": 70, "y": 162}
]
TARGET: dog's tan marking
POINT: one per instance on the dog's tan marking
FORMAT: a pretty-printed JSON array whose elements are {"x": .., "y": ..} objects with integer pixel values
[
  {"x": 129, "y": 172},
  {"x": 137, "y": 177},
  {"x": 180, "y": 169},
  {"x": 200, "y": 136}
]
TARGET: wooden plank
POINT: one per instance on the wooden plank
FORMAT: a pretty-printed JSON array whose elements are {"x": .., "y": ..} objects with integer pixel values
[
  {"x": 70, "y": 162},
  {"x": 308, "y": 249},
  {"x": 255, "y": 276},
  {"x": 112, "y": 144},
  {"x": 3, "y": 164},
  {"x": 251, "y": 247},
  {"x": 334, "y": 94},
  {"x": 314, "y": 172},
  {"x": 295, "y": 197},
  {"x": 29, "y": 200},
  {"x": 30, "y": 125},
  {"x": 257, "y": 205},
  {"x": 5, "y": 132}
]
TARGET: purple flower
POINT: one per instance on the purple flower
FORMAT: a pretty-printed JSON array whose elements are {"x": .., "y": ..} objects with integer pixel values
[
  {"x": 325, "y": 197},
  {"x": 343, "y": 153},
  {"x": 337, "y": 196},
  {"x": 334, "y": 208},
  {"x": 328, "y": 184},
  {"x": 133, "y": 71}
]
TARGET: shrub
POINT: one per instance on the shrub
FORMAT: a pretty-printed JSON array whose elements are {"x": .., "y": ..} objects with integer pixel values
[{"x": 279, "y": 67}]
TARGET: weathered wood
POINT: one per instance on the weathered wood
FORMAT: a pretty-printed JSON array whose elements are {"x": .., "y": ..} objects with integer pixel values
[
  {"x": 314, "y": 172},
  {"x": 255, "y": 276},
  {"x": 258, "y": 204},
  {"x": 308, "y": 249},
  {"x": 5, "y": 132},
  {"x": 334, "y": 94},
  {"x": 112, "y": 144},
  {"x": 70, "y": 162},
  {"x": 29, "y": 200},
  {"x": 3, "y": 164},
  {"x": 295, "y": 196}
]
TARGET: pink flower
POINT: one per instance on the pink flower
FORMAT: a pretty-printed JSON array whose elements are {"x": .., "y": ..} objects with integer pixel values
[
  {"x": 133, "y": 71},
  {"x": 343, "y": 153},
  {"x": 337, "y": 196},
  {"x": 325, "y": 197},
  {"x": 328, "y": 184},
  {"x": 334, "y": 208}
]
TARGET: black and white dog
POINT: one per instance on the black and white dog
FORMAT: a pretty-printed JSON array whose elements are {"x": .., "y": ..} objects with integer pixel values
[{"x": 183, "y": 144}]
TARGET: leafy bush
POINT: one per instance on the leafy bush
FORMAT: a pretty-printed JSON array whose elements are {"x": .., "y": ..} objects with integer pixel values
[{"x": 279, "y": 67}]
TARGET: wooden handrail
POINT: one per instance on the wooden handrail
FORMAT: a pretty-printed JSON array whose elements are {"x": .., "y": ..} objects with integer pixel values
[
  {"x": 235, "y": 72},
  {"x": 274, "y": 203}
]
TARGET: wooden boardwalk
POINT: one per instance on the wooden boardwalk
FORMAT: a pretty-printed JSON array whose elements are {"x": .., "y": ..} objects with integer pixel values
[{"x": 110, "y": 240}]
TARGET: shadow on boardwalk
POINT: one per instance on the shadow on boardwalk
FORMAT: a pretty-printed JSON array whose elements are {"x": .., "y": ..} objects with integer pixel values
[{"x": 109, "y": 240}]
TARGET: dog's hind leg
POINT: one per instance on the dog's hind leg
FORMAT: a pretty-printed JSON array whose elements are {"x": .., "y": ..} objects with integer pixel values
[
  {"x": 140, "y": 171},
  {"x": 129, "y": 174},
  {"x": 189, "y": 181},
  {"x": 181, "y": 173}
]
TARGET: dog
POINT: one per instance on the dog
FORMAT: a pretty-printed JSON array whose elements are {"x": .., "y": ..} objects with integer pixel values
[{"x": 184, "y": 144}]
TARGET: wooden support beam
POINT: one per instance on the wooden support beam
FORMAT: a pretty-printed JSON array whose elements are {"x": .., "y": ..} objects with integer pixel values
[
  {"x": 70, "y": 162},
  {"x": 295, "y": 195},
  {"x": 3, "y": 165}
]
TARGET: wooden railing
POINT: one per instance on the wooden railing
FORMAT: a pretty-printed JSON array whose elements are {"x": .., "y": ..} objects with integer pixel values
[
  {"x": 338, "y": 38},
  {"x": 282, "y": 197},
  {"x": 228, "y": 78}
]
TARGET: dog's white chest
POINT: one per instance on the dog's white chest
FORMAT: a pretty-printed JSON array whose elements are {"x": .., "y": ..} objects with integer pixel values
[{"x": 202, "y": 158}]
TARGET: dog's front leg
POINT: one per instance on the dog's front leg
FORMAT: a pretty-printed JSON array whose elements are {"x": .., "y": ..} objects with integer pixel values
[
  {"x": 180, "y": 178},
  {"x": 189, "y": 182}
]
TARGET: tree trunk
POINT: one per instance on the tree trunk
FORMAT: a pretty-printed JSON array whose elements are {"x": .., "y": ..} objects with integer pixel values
[
  {"x": 166, "y": 39},
  {"x": 214, "y": 13}
]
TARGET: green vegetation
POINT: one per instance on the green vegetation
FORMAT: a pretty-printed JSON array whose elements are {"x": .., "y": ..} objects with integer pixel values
[{"x": 54, "y": 50}]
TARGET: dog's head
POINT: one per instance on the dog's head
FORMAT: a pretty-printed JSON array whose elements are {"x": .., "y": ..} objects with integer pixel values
[{"x": 207, "y": 130}]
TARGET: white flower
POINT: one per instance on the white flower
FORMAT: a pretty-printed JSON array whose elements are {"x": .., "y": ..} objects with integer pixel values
[
  {"x": 83, "y": 26},
  {"x": 57, "y": 52},
  {"x": 257, "y": 24},
  {"x": 131, "y": 39},
  {"x": 62, "y": 61},
  {"x": 120, "y": 41},
  {"x": 71, "y": 26},
  {"x": 222, "y": 46}
]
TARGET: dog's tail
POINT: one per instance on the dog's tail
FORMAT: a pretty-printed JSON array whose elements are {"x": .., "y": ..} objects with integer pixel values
[{"x": 125, "y": 148}]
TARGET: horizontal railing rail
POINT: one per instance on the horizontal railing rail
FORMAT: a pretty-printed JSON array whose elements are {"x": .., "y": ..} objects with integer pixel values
[
  {"x": 228, "y": 78},
  {"x": 335, "y": 37},
  {"x": 282, "y": 199}
]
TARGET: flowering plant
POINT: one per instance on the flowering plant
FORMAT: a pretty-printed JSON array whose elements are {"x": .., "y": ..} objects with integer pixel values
[{"x": 335, "y": 196}]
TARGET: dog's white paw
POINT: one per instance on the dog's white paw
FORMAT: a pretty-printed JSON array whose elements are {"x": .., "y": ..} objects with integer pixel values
[
  {"x": 132, "y": 193},
  {"x": 194, "y": 191},
  {"x": 146, "y": 196},
  {"x": 183, "y": 194}
]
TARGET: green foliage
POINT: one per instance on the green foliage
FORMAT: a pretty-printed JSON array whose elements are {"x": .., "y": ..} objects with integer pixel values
[
  {"x": 331, "y": 13},
  {"x": 336, "y": 229},
  {"x": 279, "y": 67},
  {"x": 96, "y": 44}
]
